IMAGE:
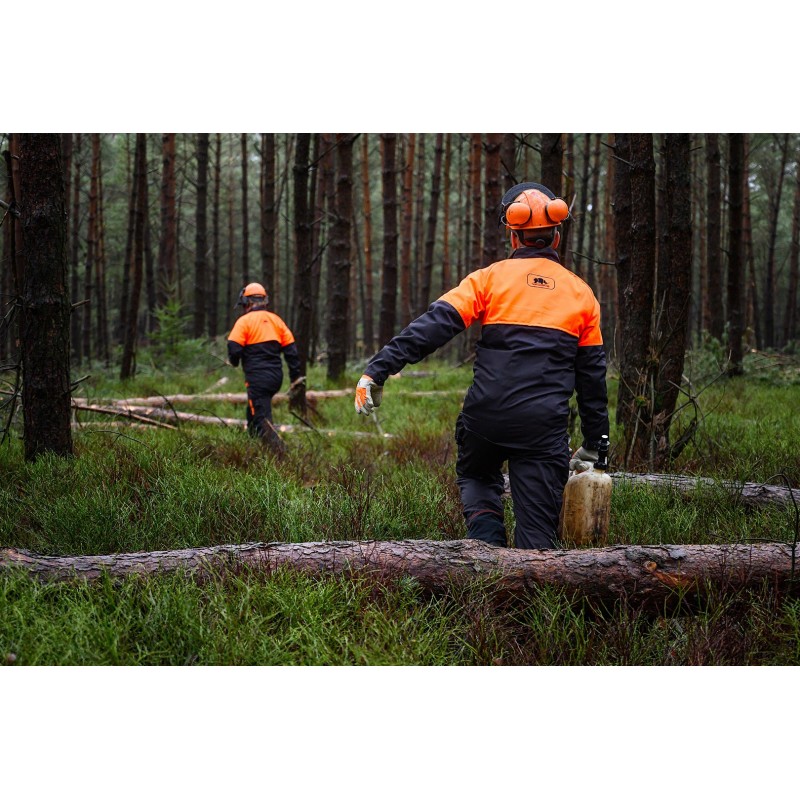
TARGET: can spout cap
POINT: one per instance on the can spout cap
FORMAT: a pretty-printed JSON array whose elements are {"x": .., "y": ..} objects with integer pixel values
[{"x": 602, "y": 454}]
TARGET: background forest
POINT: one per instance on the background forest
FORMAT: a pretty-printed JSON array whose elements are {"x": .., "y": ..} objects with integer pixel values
[{"x": 354, "y": 235}]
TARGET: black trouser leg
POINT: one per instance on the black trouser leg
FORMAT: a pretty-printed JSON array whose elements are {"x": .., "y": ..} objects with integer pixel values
[
  {"x": 480, "y": 481},
  {"x": 259, "y": 417},
  {"x": 537, "y": 487}
]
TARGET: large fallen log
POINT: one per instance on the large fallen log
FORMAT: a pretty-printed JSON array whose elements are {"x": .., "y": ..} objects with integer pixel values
[{"x": 654, "y": 577}]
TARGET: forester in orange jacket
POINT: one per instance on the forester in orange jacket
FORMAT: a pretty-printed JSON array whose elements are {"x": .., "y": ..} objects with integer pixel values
[
  {"x": 540, "y": 342},
  {"x": 257, "y": 340}
]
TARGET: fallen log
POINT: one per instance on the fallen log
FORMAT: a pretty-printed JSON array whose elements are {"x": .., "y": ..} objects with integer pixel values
[
  {"x": 240, "y": 398},
  {"x": 752, "y": 495},
  {"x": 120, "y": 412},
  {"x": 654, "y": 577}
]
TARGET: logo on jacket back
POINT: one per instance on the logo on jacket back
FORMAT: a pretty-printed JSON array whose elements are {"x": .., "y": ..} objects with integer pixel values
[{"x": 540, "y": 282}]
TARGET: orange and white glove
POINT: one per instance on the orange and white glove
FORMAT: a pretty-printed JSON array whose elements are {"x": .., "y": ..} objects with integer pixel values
[{"x": 368, "y": 395}]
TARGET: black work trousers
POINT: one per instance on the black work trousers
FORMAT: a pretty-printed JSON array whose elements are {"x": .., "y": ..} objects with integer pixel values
[
  {"x": 259, "y": 416},
  {"x": 537, "y": 486}
]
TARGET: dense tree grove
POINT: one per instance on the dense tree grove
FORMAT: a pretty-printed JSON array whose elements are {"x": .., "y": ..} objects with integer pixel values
[{"x": 355, "y": 234}]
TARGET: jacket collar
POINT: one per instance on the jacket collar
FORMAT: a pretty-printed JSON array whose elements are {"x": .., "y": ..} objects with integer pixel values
[{"x": 536, "y": 252}]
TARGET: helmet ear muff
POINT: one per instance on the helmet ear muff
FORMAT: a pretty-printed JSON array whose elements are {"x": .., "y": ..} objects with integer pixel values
[
  {"x": 517, "y": 215},
  {"x": 556, "y": 211}
]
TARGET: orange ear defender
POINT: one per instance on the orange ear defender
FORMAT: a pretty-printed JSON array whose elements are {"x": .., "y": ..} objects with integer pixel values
[{"x": 532, "y": 209}]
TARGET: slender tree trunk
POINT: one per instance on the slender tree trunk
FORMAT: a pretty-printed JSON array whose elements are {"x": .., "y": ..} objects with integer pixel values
[
  {"x": 774, "y": 200},
  {"x": 491, "y": 182},
  {"x": 790, "y": 328},
  {"x": 103, "y": 345},
  {"x": 369, "y": 299},
  {"x": 552, "y": 152},
  {"x": 91, "y": 254},
  {"x": 44, "y": 328},
  {"x": 635, "y": 240},
  {"x": 321, "y": 197},
  {"x": 201, "y": 237},
  {"x": 386, "y": 329},
  {"x": 508, "y": 162},
  {"x": 419, "y": 227},
  {"x": 673, "y": 291},
  {"x": 752, "y": 321},
  {"x": 268, "y": 215},
  {"x": 430, "y": 229},
  {"x": 406, "y": 301},
  {"x": 736, "y": 147},
  {"x": 216, "y": 266},
  {"x": 713, "y": 318},
  {"x": 594, "y": 218},
  {"x": 127, "y": 268},
  {"x": 128, "y": 368},
  {"x": 566, "y": 246},
  {"x": 167, "y": 243},
  {"x": 446, "y": 279},
  {"x": 74, "y": 250},
  {"x": 245, "y": 216},
  {"x": 302, "y": 247},
  {"x": 340, "y": 264},
  {"x": 231, "y": 238}
]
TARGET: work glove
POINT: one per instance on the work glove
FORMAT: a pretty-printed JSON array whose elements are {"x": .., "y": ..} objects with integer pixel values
[
  {"x": 368, "y": 395},
  {"x": 583, "y": 459}
]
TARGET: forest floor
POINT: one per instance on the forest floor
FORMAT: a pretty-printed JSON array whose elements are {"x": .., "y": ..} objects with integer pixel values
[{"x": 132, "y": 489}]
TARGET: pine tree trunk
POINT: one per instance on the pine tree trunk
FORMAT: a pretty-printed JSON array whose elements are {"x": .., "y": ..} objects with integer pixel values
[
  {"x": 735, "y": 287},
  {"x": 245, "y": 216},
  {"x": 388, "y": 316},
  {"x": 552, "y": 153},
  {"x": 216, "y": 265},
  {"x": 103, "y": 344},
  {"x": 127, "y": 264},
  {"x": 774, "y": 200},
  {"x": 369, "y": 291},
  {"x": 128, "y": 368},
  {"x": 406, "y": 302},
  {"x": 201, "y": 237},
  {"x": 430, "y": 229},
  {"x": 492, "y": 193},
  {"x": 167, "y": 243},
  {"x": 268, "y": 216},
  {"x": 45, "y": 311},
  {"x": 91, "y": 254},
  {"x": 635, "y": 244},
  {"x": 446, "y": 273},
  {"x": 713, "y": 318},
  {"x": 340, "y": 265},
  {"x": 566, "y": 246},
  {"x": 673, "y": 291},
  {"x": 74, "y": 250},
  {"x": 303, "y": 292},
  {"x": 790, "y": 328}
]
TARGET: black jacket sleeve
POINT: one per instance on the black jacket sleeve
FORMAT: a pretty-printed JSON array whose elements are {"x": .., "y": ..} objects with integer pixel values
[
  {"x": 235, "y": 351},
  {"x": 292, "y": 361},
  {"x": 437, "y": 326},
  {"x": 590, "y": 387}
]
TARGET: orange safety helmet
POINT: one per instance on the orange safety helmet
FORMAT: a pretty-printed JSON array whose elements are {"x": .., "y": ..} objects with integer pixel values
[
  {"x": 252, "y": 294},
  {"x": 533, "y": 207}
]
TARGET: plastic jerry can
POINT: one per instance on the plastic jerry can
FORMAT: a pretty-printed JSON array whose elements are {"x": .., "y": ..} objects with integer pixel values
[{"x": 586, "y": 507}]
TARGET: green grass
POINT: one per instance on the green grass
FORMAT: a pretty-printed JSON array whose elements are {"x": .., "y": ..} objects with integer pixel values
[{"x": 136, "y": 490}]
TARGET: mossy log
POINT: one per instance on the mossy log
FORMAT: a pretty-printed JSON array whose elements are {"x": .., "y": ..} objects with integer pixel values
[{"x": 654, "y": 577}]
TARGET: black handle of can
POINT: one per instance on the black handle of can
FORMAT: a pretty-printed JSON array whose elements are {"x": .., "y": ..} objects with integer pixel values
[{"x": 602, "y": 453}]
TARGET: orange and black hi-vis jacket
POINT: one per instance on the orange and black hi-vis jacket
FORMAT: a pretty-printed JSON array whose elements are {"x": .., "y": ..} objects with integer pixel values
[
  {"x": 257, "y": 340},
  {"x": 540, "y": 342}
]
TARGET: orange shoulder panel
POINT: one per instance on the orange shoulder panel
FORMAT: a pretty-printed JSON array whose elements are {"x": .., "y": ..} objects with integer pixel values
[{"x": 532, "y": 292}]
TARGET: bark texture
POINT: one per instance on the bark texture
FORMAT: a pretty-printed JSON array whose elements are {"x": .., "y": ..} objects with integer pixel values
[
  {"x": 44, "y": 325},
  {"x": 654, "y": 577}
]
